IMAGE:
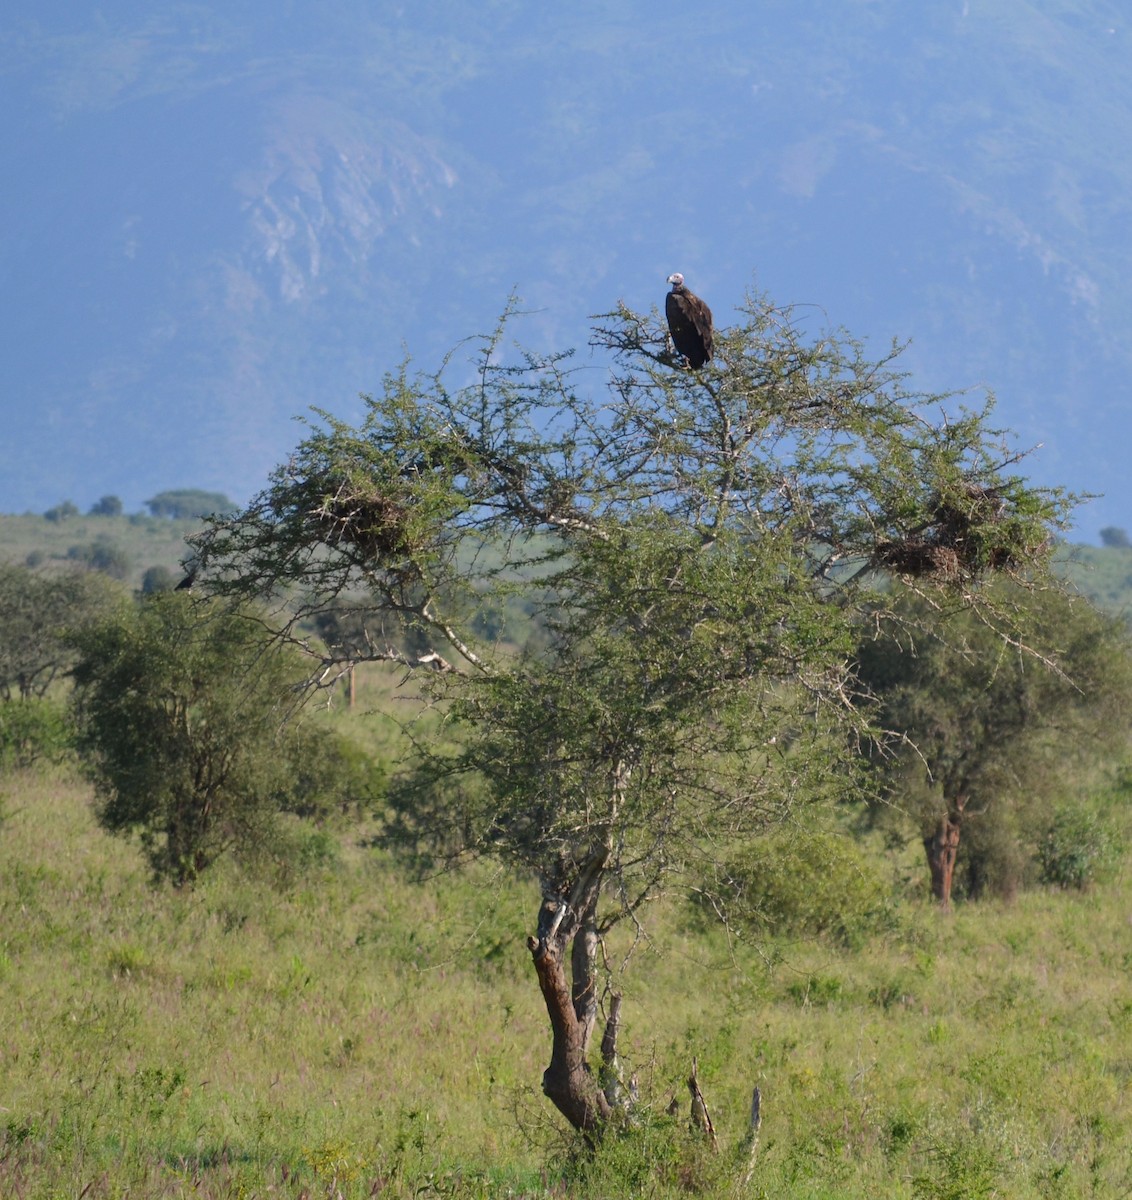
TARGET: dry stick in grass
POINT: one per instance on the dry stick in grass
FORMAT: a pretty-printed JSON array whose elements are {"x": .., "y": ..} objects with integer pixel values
[
  {"x": 700, "y": 1115},
  {"x": 753, "y": 1135}
]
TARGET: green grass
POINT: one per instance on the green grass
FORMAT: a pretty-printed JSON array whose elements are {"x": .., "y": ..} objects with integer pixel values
[{"x": 362, "y": 1034}]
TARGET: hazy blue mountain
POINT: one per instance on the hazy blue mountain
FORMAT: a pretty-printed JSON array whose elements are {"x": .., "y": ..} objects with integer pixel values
[{"x": 215, "y": 215}]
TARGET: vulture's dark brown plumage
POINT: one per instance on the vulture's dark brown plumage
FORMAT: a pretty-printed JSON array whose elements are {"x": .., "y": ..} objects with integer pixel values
[{"x": 689, "y": 322}]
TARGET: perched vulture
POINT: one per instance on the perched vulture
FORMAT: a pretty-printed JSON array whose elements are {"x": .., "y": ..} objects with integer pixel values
[{"x": 689, "y": 322}]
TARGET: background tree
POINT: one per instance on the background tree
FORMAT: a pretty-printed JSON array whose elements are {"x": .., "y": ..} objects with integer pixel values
[
  {"x": 698, "y": 545},
  {"x": 1115, "y": 538},
  {"x": 187, "y": 503},
  {"x": 180, "y": 710},
  {"x": 38, "y": 611},
  {"x": 158, "y": 579},
  {"x": 995, "y": 726},
  {"x": 62, "y": 512},
  {"x": 107, "y": 506},
  {"x": 103, "y": 554}
]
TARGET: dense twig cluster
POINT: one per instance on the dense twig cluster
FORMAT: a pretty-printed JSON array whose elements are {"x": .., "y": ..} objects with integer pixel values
[
  {"x": 373, "y": 520},
  {"x": 966, "y": 536}
]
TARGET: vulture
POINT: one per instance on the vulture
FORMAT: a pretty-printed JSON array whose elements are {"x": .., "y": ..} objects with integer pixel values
[{"x": 689, "y": 322}]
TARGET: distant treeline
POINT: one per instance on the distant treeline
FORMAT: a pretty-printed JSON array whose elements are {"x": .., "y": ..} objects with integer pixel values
[{"x": 177, "y": 503}]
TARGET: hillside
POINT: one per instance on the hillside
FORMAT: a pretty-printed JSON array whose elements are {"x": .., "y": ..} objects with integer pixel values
[
  {"x": 144, "y": 541},
  {"x": 1104, "y": 574},
  {"x": 224, "y": 216}
]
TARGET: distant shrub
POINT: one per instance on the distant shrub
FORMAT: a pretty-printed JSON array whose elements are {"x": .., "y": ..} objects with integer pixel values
[
  {"x": 185, "y": 503},
  {"x": 108, "y": 506},
  {"x": 810, "y": 884},
  {"x": 994, "y": 856},
  {"x": 1079, "y": 848},
  {"x": 1115, "y": 538},
  {"x": 32, "y": 731},
  {"x": 61, "y": 512},
  {"x": 102, "y": 555},
  {"x": 157, "y": 579},
  {"x": 328, "y": 774}
]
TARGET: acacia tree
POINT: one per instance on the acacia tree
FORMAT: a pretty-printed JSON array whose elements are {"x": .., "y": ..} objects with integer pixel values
[
  {"x": 994, "y": 721},
  {"x": 180, "y": 718},
  {"x": 37, "y": 612},
  {"x": 698, "y": 544}
]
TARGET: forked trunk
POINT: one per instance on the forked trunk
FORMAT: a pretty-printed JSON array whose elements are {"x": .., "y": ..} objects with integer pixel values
[
  {"x": 568, "y": 1082},
  {"x": 567, "y": 929}
]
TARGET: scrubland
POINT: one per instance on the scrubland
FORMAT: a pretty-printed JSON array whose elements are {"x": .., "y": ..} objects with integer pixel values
[{"x": 344, "y": 1030}]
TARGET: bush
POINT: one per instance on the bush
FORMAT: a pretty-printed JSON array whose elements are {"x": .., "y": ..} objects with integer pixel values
[
  {"x": 180, "y": 713},
  {"x": 994, "y": 855},
  {"x": 329, "y": 774},
  {"x": 157, "y": 579},
  {"x": 186, "y": 503},
  {"x": 811, "y": 883},
  {"x": 61, "y": 512},
  {"x": 1078, "y": 849},
  {"x": 102, "y": 555},
  {"x": 32, "y": 731}
]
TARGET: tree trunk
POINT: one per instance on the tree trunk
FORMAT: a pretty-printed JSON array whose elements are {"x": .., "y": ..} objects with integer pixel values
[
  {"x": 568, "y": 1082},
  {"x": 570, "y": 924},
  {"x": 583, "y": 970},
  {"x": 942, "y": 848}
]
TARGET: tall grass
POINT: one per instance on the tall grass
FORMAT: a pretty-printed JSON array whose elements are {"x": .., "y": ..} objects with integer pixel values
[{"x": 358, "y": 1034}]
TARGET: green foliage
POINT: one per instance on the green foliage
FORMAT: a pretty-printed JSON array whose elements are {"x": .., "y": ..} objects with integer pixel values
[
  {"x": 997, "y": 854},
  {"x": 38, "y": 611},
  {"x": 699, "y": 547},
  {"x": 1079, "y": 848},
  {"x": 107, "y": 506},
  {"x": 32, "y": 731},
  {"x": 958, "y": 1166},
  {"x": 329, "y": 775},
  {"x": 104, "y": 555},
  {"x": 810, "y": 883},
  {"x": 995, "y": 721},
  {"x": 698, "y": 543},
  {"x": 179, "y": 710},
  {"x": 183, "y": 503},
  {"x": 62, "y": 512},
  {"x": 157, "y": 579},
  {"x": 657, "y": 1155}
]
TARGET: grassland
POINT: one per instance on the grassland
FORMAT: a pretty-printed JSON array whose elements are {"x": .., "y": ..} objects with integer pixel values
[
  {"x": 345, "y": 1031},
  {"x": 350, "y": 1032}
]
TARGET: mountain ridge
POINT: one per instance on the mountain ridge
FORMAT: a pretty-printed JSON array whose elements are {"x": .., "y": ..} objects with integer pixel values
[{"x": 225, "y": 219}]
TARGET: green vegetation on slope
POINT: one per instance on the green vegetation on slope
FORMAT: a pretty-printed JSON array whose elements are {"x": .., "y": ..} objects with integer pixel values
[
  {"x": 1104, "y": 574},
  {"x": 143, "y": 541},
  {"x": 361, "y": 1034}
]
